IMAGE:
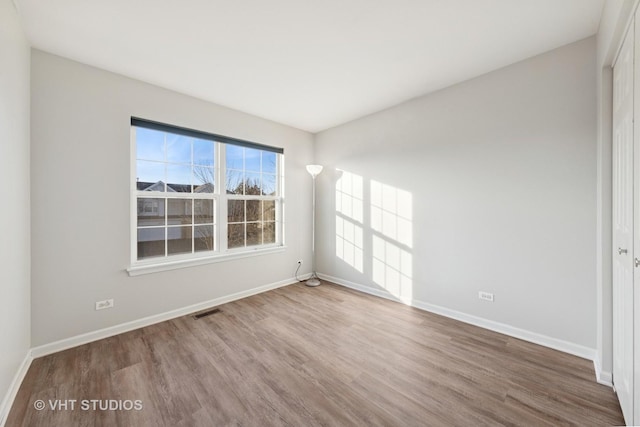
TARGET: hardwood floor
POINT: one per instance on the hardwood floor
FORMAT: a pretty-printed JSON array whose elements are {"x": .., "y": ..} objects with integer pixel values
[{"x": 304, "y": 356}]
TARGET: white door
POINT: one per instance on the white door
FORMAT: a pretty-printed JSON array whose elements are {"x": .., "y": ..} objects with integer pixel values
[
  {"x": 623, "y": 237},
  {"x": 634, "y": 292}
]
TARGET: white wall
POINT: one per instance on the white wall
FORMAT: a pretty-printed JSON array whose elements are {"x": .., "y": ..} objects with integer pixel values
[
  {"x": 615, "y": 16},
  {"x": 501, "y": 171},
  {"x": 80, "y": 194},
  {"x": 14, "y": 196}
]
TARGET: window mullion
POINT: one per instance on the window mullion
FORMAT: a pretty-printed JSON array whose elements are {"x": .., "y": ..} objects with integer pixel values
[
  {"x": 166, "y": 228},
  {"x": 245, "y": 221},
  {"x": 193, "y": 225},
  {"x": 222, "y": 206},
  {"x": 193, "y": 202},
  {"x": 280, "y": 234}
]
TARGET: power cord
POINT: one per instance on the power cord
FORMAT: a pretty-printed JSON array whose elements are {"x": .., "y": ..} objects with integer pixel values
[{"x": 296, "y": 275}]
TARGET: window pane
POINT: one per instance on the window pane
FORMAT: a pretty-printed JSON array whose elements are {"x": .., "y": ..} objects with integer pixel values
[
  {"x": 235, "y": 156},
  {"x": 178, "y": 179},
  {"x": 269, "y": 233},
  {"x": 254, "y": 234},
  {"x": 252, "y": 159},
  {"x": 235, "y": 210},
  {"x": 235, "y": 236},
  {"x": 252, "y": 185},
  {"x": 203, "y": 152},
  {"x": 179, "y": 211},
  {"x": 203, "y": 179},
  {"x": 178, "y": 149},
  {"x": 150, "y": 212},
  {"x": 254, "y": 210},
  {"x": 203, "y": 213},
  {"x": 269, "y": 210},
  {"x": 149, "y": 144},
  {"x": 203, "y": 238},
  {"x": 268, "y": 184},
  {"x": 269, "y": 162},
  {"x": 150, "y": 242},
  {"x": 235, "y": 182},
  {"x": 178, "y": 240},
  {"x": 150, "y": 176}
]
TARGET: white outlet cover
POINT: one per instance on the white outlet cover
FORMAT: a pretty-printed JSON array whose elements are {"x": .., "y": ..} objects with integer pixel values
[
  {"x": 485, "y": 296},
  {"x": 101, "y": 305}
]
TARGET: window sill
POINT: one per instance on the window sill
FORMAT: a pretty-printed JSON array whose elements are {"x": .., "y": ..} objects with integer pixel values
[{"x": 140, "y": 269}]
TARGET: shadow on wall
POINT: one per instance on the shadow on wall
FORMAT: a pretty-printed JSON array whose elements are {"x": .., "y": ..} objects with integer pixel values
[{"x": 374, "y": 232}]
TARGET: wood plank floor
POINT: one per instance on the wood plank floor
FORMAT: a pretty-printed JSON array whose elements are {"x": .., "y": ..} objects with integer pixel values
[{"x": 328, "y": 356}]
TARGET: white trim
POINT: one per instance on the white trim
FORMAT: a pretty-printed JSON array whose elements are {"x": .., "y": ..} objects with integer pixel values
[
  {"x": 88, "y": 337},
  {"x": 623, "y": 36},
  {"x": 523, "y": 334},
  {"x": 137, "y": 270},
  {"x": 7, "y": 402},
  {"x": 602, "y": 377}
]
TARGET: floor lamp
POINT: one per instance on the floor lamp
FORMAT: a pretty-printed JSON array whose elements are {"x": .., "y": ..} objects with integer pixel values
[{"x": 314, "y": 170}]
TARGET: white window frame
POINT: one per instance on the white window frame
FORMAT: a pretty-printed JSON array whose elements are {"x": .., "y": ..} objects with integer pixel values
[{"x": 220, "y": 198}]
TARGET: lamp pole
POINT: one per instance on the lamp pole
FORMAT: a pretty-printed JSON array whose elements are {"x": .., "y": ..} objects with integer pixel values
[{"x": 313, "y": 280}]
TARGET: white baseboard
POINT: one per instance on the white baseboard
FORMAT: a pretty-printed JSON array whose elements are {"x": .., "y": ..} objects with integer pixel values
[
  {"x": 602, "y": 377},
  {"x": 7, "y": 402},
  {"x": 77, "y": 340},
  {"x": 546, "y": 341}
]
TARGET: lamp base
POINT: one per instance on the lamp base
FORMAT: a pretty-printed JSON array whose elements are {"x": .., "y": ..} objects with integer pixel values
[{"x": 312, "y": 282}]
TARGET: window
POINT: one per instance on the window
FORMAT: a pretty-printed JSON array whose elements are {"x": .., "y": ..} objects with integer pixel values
[
  {"x": 251, "y": 177},
  {"x": 180, "y": 209}
]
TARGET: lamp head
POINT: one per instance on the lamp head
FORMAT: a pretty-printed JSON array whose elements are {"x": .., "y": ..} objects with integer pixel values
[{"x": 314, "y": 170}]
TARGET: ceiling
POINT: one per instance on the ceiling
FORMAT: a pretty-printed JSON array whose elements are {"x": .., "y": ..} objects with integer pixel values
[{"x": 311, "y": 64}]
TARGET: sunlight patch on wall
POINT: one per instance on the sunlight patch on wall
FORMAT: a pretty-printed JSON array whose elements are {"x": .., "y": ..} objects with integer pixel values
[
  {"x": 349, "y": 243},
  {"x": 349, "y": 195},
  {"x": 391, "y": 222},
  {"x": 349, "y": 219},
  {"x": 392, "y": 268},
  {"x": 391, "y": 213}
]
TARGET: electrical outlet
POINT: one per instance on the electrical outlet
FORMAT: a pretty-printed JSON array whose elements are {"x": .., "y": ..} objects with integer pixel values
[
  {"x": 101, "y": 305},
  {"x": 485, "y": 296}
]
